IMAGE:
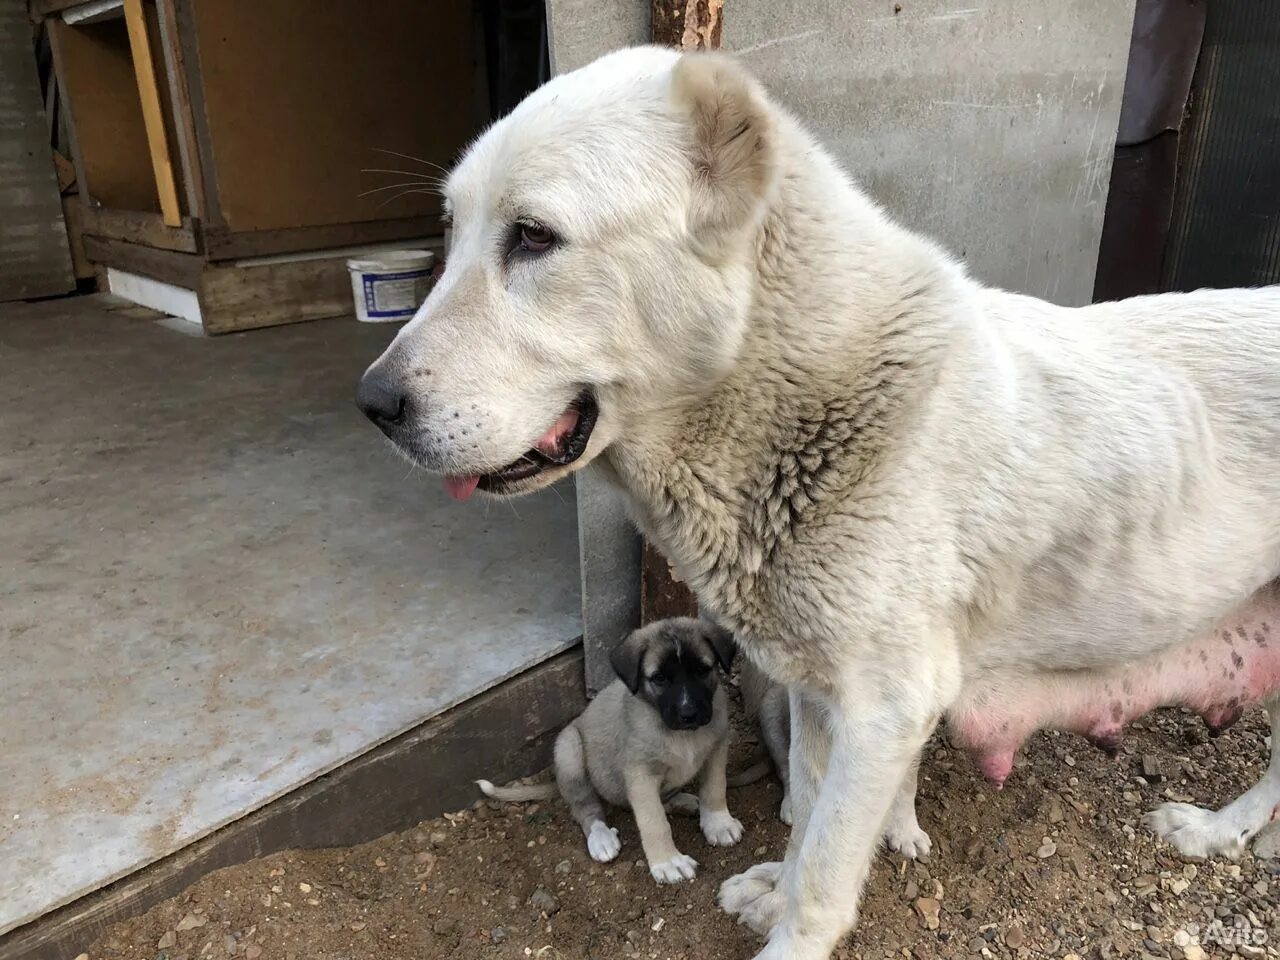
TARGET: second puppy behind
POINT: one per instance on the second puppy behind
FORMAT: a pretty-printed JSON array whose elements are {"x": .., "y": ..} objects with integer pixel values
[{"x": 661, "y": 725}]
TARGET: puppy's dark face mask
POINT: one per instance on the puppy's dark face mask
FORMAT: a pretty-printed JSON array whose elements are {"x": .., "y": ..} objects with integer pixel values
[{"x": 672, "y": 665}]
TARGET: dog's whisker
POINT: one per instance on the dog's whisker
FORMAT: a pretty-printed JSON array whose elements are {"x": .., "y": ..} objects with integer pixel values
[
  {"x": 405, "y": 156},
  {"x": 403, "y": 193},
  {"x": 389, "y": 186},
  {"x": 416, "y": 175}
]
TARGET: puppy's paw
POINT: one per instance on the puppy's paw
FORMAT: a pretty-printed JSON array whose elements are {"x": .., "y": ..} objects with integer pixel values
[
  {"x": 602, "y": 842},
  {"x": 1197, "y": 832},
  {"x": 784, "y": 810},
  {"x": 909, "y": 840},
  {"x": 721, "y": 828},
  {"x": 678, "y": 868}
]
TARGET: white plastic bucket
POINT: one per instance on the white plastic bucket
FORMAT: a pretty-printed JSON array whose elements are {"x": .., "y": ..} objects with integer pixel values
[{"x": 389, "y": 287}]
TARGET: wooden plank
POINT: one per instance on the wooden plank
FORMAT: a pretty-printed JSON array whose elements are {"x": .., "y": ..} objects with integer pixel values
[
  {"x": 139, "y": 227},
  {"x": 502, "y": 734},
  {"x": 317, "y": 94},
  {"x": 39, "y": 9},
  {"x": 180, "y": 111},
  {"x": 152, "y": 115},
  {"x": 689, "y": 25},
  {"x": 96, "y": 76},
  {"x": 182, "y": 269},
  {"x": 237, "y": 297},
  {"x": 35, "y": 260},
  {"x": 223, "y": 244}
]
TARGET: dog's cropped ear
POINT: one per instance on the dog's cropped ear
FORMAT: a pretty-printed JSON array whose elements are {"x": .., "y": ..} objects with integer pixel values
[
  {"x": 722, "y": 643},
  {"x": 734, "y": 160},
  {"x": 627, "y": 659}
]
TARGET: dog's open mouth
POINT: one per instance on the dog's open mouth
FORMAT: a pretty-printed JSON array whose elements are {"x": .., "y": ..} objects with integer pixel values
[{"x": 563, "y": 443}]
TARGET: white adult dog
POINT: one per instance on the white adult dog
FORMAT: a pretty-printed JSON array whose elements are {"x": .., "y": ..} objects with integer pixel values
[{"x": 908, "y": 494}]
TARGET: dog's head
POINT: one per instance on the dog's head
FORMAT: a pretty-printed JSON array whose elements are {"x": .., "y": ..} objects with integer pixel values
[
  {"x": 600, "y": 270},
  {"x": 672, "y": 665}
]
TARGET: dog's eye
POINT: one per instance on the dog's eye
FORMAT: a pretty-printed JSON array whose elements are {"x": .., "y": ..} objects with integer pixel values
[
  {"x": 535, "y": 237},
  {"x": 658, "y": 680}
]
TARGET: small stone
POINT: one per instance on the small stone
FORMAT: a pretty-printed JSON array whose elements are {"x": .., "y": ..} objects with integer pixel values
[
  {"x": 358, "y": 925},
  {"x": 190, "y": 922},
  {"x": 229, "y": 944},
  {"x": 930, "y": 911},
  {"x": 304, "y": 887},
  {"x": 438, "y": 837},
  {"x": 497, "y": 935},
  {"x": 1056, "y": 813},
  {"x": 82, "y": 956},
  {"x": 1151, "y": 768},
  {"x": 1179, "y": 885},
  {"x": 912, "y": 890},
  {"x": 1251, "y": 950},
  {"x": 564, "y": 866},
  {"x": 977, "y": 945},
  {"x": 1193, "y": 951},
  {"x": 1071, "y": 956},
  {"x": 252, "y": 951},
  {"x": 1015, "y": 937},
  {"x": 1190, "y": 870},
  {"x": 1047, "y": 849},
  {"x": 1181, "y": 938},
  {"x": 167, "y": 940},
  {"x": 542, "y": 901}
]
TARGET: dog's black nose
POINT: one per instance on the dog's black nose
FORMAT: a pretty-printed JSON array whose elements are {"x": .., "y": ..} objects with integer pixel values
[
  {"x": 687, "y": 712},
  {"x": 380, "y": 399}
]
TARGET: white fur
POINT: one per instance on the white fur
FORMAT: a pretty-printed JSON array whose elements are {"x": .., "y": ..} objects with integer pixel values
[
  {"x": 901, "y": 489},
  {"x": 602, "y": 842}
]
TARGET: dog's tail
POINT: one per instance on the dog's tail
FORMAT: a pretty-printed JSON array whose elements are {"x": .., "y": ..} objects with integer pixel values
[
  {"x": 762, "y": 767},
  {"x": 532, "y": 791}
]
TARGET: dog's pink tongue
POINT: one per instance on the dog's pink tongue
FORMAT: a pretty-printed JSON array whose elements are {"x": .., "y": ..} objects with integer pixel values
[
  {"x": 461, "y": 488},
  {"x": 549, "y": 442}
]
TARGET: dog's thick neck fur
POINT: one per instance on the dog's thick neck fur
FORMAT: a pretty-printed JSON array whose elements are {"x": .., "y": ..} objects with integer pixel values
[{"x": 724, "y": 491}]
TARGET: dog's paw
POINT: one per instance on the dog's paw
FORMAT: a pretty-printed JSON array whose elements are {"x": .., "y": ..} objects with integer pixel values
[
  {"x": 1198, "y": 832},
  {"x": 909, "y": 840},
  {"x": 684, "y": 804},
  {"x": 784, "y": 810},
  {"x": 721, "y": 828},
  {"x": 678, "y": 868},
  {"x": 755, "y": 898},
  {"x": 602, "y": 842}
]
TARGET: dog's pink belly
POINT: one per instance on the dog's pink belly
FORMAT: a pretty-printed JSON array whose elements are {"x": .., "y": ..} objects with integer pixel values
[{"x": 1217, "y": 675}]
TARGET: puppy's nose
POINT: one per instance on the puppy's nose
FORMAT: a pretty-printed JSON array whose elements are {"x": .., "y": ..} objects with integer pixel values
[
  {"x": 687, "y": 711},
  {"x": 380, "y": 398}
]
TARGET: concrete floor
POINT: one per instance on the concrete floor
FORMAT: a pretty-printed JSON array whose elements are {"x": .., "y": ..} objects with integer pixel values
[{"x": 217, "y": 583}]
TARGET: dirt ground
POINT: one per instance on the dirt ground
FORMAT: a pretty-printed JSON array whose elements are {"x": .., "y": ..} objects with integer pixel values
[{"x": 1057, "y": 864}]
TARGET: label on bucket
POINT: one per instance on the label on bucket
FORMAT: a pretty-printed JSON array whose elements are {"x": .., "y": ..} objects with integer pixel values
[{"x": 395, "y": 294}]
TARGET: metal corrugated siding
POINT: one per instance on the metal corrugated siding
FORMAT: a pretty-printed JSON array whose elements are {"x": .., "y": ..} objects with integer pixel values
[{"x": 1226, "y": 219}]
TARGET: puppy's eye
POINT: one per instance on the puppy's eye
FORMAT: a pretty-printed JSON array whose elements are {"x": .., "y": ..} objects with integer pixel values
[
  {"x": 535, "y": 237},
  {"x": 658, "y": 680},
  {"x": 702, "y": 669}
]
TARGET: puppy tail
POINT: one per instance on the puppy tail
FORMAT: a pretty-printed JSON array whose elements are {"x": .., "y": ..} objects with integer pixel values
[
  {"x": 751, "y": 774},
  {"x": 533, "y": 791}
]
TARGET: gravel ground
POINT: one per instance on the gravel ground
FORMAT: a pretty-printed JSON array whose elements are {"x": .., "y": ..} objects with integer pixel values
[{"x": 1055, "y": 865}]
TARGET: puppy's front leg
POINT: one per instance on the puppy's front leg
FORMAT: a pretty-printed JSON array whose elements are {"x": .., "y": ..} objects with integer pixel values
[
  {"x": 876, "y": 737},
  {"x": 719, "y": 826},
  {"x": 666, "y": 863}
]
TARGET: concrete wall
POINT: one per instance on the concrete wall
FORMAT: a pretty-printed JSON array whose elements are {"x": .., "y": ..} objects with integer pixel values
[{"x": 990, "y": 127}]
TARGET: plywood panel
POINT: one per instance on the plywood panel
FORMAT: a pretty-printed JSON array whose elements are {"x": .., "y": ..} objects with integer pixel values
[
  {"x": 34, "y": 257},
  {"x": 96, "y": 70},
  {"x": 295, "y": 102}
]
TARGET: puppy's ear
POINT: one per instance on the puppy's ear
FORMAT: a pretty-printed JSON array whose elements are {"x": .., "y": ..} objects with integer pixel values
[
  {"x": 721, "y": 641},
  {"x": 626, "y": 659},
  {"x": 734, "y": 160}
]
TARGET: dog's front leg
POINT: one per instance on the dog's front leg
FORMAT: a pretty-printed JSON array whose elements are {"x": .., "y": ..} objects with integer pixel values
[
  {"x": 666, "y": 863},
  {"x": 719, "y": 826},
  {"x": 755, "y": 896}
]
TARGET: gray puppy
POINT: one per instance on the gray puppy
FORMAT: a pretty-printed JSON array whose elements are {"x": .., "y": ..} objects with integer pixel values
[
  {"x": 662, "y": 724},
  {"x": 766, "y": 704}
]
